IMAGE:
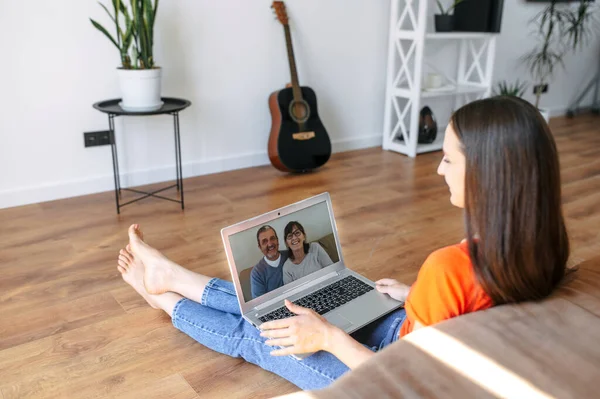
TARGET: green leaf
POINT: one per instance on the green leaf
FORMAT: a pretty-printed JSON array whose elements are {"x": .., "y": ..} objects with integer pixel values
[
  {"x": 127, "y": 16},
  {"x": 456, "y": 2},
  {"x": 149, "y": 29},
  {"x": 134, "y": 57},
  {"x": 141, "y": 32},
  {"x": 117, "y": 26},
  {"x": 148, "y": 12},
  {"x": 108, "y": 12},
  {"x": 101, "y": 29},
  {"x": 123, "y": 9},
  {"x": 134, "y": 21},
  {"x": 128, "y": 36},
  {"x": 505, "y": 88},
  {"x": 441, "y": 7},
  {"x": 127, "y": 39}
]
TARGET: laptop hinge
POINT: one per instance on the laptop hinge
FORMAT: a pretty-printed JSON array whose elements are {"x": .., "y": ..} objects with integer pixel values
[{"x": 295, "y": 290}]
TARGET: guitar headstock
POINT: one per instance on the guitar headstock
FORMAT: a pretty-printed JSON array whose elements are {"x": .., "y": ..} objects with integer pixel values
[{"x": 279, "y": 9}]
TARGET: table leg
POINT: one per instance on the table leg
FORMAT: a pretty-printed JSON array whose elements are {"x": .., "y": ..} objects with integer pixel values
[
  {"x": 175, "y": 116},
  {"x": 178, "y": 156},
  {"x": 113, "y": 147},
  {"x": 116, "y": 156}
]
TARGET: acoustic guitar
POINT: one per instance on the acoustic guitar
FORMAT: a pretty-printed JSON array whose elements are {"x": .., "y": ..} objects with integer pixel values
[{"x": 298, "y": 140}]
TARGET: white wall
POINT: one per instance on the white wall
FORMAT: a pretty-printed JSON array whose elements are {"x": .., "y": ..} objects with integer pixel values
[
  {"x": 226, "y": 57},
  {"x": 316, "y": 223},
  {"x": 516, "y": 39}
]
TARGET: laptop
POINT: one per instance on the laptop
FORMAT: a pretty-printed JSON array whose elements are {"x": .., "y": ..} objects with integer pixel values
[{"x": 322, "y": 282}]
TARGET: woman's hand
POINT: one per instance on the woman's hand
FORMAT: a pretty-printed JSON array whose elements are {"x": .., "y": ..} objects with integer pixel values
[
  {"x": 393, "y": 288},
  {"x": 307, "y": 332}
]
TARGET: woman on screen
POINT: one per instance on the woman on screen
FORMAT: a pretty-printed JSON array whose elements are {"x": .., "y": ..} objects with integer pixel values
[{"x": 303, "y": 258}]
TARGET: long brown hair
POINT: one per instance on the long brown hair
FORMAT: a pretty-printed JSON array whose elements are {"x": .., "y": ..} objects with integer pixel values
[{"x": 516, "y": 232}]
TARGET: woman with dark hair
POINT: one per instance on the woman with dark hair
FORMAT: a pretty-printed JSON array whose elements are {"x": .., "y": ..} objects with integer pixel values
[
  {"x": 515, "y": 230},
  {"x": 500, "y": 164},
  {"x": 303, "y": 258}
]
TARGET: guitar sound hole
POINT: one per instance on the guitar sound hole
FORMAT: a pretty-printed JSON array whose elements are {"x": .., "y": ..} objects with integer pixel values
[{"x": 299, "y": 111}]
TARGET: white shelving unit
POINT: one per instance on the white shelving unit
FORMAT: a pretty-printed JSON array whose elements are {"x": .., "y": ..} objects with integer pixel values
[{"x": 409, "y": 36}]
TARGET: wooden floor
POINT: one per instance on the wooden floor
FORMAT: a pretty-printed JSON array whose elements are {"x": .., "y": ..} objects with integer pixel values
[{"x": 70, "y": 327}]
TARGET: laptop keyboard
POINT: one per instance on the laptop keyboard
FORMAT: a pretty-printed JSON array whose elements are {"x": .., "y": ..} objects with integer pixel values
[{"x": 325, "y": 299}]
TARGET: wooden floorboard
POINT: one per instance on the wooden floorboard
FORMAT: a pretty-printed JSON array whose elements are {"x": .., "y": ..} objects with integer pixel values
[{"x": 71, "y": 328}]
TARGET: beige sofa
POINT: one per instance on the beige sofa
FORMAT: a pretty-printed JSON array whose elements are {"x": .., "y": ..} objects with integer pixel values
[{"x": 549, "y": 349}]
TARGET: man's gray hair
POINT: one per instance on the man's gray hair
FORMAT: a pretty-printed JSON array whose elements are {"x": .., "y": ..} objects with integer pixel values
[{"x": 262, "y": 230}]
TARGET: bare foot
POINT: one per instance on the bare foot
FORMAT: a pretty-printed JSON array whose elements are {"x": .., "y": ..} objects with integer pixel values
[
  {"x": 159, "y": 269},
  {"x": 132, "y": 270}
]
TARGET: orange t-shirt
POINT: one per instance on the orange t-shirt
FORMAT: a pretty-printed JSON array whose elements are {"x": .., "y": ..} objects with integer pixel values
[{"x": 446, "y": 287}]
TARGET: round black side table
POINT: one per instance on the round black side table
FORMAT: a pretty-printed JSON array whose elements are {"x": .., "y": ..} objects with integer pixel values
[{"x": 171, "y": 106}]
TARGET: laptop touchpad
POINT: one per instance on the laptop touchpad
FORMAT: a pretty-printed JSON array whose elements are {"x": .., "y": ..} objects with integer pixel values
[{"x": 338, "y": 320}]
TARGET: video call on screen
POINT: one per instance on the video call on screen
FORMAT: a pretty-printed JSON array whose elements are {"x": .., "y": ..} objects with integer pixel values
[{"x": 283, "y": 250}]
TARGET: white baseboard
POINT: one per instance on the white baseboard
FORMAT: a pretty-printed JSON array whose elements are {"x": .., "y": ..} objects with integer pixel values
[
  {"x": 562, "y": 111},
  {"x": 96, "y": 184},
  {"x": 554, "y": 112},
  {"x": 357, "y": 143}
]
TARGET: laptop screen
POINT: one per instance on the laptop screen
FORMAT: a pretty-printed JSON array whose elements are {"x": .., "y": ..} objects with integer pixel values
[{"x": 284, "y": 250}]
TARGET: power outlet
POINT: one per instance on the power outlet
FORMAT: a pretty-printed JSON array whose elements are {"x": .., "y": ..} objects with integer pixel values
[
  {"x": 542, "y": 88},
  {"x": 93, "y": 139},
  {"x": 104, "y": 137}
]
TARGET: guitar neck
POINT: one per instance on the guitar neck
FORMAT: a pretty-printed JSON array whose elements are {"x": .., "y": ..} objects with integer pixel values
[{"x": 292, "y": 61}]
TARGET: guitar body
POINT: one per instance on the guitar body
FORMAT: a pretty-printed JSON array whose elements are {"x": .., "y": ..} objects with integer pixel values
[{"x": 294, "y": 146}]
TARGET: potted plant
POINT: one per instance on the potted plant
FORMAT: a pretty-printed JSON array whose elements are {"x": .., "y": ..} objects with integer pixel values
[
  {"x": 504, "y": 88},
  {"x": 444, "y": 21},
  {"x": 559, "y": 30},
  {"x": 139, "y": 77}
]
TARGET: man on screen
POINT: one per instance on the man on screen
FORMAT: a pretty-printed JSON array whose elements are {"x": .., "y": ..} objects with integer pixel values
[{"x": 267, "y": 274}]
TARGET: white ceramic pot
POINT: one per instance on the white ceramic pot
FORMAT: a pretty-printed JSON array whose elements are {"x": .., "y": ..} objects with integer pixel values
[
  {"x": 545, "y": 113},
  {"x": 140, "y": 89}
]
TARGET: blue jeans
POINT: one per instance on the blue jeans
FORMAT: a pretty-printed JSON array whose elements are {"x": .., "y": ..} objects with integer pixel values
[{"x": 216, "y": 323}]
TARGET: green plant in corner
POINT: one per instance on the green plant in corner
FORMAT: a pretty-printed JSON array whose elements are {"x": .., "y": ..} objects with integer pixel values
[
  {"x": 446, "y": 11},
  {"x": 504, "y": 88},
  {"x": 134, "y": 31},
  {"x": 560, "y": 30}
]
